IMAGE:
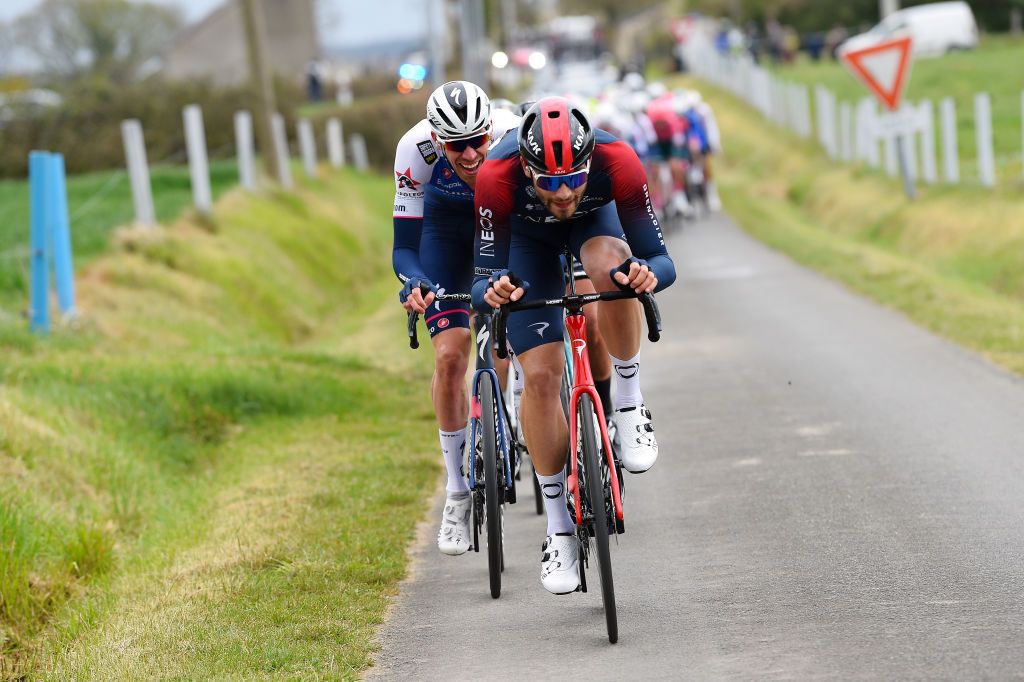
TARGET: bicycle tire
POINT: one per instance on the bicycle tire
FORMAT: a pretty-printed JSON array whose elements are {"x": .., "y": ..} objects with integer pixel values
[
  {"x": 596, "y": 494},
  {"x": 492, "y": 499}
]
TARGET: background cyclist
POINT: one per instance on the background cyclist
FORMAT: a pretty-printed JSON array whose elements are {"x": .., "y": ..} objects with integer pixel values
[{"x": 436, "y": 167}]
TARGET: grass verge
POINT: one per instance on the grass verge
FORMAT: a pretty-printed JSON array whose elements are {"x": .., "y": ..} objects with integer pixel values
[
  {"x": 97, "y": 203},
  {"x": 199, "y": 483},
  {"x": 952, "y": 260}
]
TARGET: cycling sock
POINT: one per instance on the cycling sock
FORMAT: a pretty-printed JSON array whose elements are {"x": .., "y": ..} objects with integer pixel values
[
  {"x": 553, "y": 490},
  {"x": 452, "y": 445},
  {"x": 627, "y": 382},
  {"x": 604, "y": 392}
]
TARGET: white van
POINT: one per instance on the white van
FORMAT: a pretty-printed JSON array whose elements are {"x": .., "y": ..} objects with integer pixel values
[{"x": 937, "y": 28}]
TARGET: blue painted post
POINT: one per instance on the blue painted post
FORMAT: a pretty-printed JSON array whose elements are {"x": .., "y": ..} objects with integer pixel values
[
  {"x": 39, "y": 218},
  {"x": 64, "y": 273}
]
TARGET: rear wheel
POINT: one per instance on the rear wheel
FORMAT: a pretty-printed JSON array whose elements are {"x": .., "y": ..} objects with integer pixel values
[
  {"x": 596, "y": 495},
  {"x": 492, "y": 491}
]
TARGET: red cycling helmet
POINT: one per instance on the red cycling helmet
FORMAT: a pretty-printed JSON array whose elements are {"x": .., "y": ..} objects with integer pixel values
[{"x": 555, "y": 137}]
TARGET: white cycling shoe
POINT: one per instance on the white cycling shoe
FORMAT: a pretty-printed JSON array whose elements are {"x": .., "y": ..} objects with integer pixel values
[
  {"x": 714, "y": 201},
  {"x": 559, "y": 565},
  {"x": 453, "y": 536},
  {"x": 636, "y": 446}
]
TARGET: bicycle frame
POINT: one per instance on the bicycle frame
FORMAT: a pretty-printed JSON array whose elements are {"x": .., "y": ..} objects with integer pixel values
[
  {"x": 485, "y": 371},
  {"x": 583, "y": 382}
]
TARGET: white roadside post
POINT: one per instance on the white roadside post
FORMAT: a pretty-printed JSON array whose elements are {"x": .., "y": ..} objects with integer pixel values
[
  {"x": 358, "y": 144},
  {"x": 908, "y": 138},
  {"x": 929, "y": 167},
  {"x": 335, "y": 143},
  {"x": 846, "y": 130},
  {"x": 244, "y": 150},
  {"x": 805, "y": 105},
  {"x": 892, "y": 162},
  {"x": 284, "y": 168},
  {"x": 138, "y": 171},
  {"x": 199, "y": 169},
  {"x": 950, "y": 153},
  {"x": 307, "y": 146},
  {"x": 983, "y": 135}
]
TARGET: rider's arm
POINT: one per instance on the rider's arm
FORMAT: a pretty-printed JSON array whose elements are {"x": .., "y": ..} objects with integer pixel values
[
  {"x": 494, "y": 200},
  {"x": 413, "y": 160},
  {"x": 633, "y": 203}
]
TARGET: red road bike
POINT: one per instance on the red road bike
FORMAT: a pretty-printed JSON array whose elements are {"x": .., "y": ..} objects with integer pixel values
[{"x": 595, "y": 475}]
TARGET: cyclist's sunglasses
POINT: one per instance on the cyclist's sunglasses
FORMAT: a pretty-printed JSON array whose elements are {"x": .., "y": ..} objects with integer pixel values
[
  {"x": 459, "y": 146},
  {"x": 551, "y": 183}
]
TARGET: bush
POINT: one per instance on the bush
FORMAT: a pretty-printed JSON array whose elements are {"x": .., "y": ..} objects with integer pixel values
[{"x": 87, "y": 128}]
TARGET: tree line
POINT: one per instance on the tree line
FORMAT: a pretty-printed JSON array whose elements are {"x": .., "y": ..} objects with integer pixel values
[{"x": 814, "y": 15}]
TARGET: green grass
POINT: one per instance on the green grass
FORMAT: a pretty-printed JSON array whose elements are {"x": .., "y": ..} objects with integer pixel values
[
  {"x": 995, "y": 67},
  {"x": 952, "y": 260},
  {"x": 222, "y": 466},
  {"x": 97, "y": 203}
]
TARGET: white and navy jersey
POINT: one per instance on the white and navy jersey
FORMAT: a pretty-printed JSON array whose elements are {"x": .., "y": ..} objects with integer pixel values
[{"x": 422, "y": 175}]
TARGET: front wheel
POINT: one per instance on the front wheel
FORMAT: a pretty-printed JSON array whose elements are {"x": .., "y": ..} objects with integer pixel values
[
  {"x": 492, "y": 491},
  {"x": 596, "y": 495}
]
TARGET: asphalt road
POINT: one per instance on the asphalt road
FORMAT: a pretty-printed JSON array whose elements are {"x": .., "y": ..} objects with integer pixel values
[{"x": 839, "y": 495}]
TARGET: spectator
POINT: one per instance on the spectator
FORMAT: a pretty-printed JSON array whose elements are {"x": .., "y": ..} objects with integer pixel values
[
  {"x": 314, "y": 81},
  {"x": 814, "y": 43},
  {"x": 834, "y": 38}
]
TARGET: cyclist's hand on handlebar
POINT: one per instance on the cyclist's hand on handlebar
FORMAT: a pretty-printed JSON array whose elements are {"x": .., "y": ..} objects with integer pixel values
[
  {"x": 504, "y": 287},
  {"x": 635, "y": 274},
  {"x": 417, "y": 295}
]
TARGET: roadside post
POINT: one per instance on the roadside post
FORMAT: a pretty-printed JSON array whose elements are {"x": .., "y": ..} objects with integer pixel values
[
  {"x": 39, "y": 217},
  {"x": 198, "y": 166},
  {"x": 138, "y": 171},
  {"x": 244, "y": 150},
  {"x": 60, "y": 236},
  {"x": 884, "y": 68},
  {"x": 335, "y": 143},
  {"x": 307, "y": 147}
]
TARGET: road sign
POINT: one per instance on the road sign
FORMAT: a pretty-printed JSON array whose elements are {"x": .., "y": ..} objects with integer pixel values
[
  {"x": 904, "y": 121},
  {"x": 883, "y": 67}
]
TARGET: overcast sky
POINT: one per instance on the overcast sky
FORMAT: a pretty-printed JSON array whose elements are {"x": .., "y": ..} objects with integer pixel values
[{"x": 342, "y": 22}]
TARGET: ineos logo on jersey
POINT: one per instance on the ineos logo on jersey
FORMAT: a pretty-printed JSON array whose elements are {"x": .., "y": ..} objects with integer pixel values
[
  {"x": 455, "y": 96},
  {"x": 486, "y": 232}
]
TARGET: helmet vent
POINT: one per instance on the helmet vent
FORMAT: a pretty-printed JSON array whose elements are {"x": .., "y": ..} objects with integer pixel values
[
  {"x": 554, "y": 114},
  {"x": 447, "y": 120},
  {"x": 556, "y": 149}
]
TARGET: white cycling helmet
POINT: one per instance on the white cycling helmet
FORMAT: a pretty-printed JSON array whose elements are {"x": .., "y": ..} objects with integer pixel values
[{"x": 458, "y": 109}]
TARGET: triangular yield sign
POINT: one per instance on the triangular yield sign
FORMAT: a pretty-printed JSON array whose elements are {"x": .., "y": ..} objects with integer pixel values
[{"x": 883, "y": 68}]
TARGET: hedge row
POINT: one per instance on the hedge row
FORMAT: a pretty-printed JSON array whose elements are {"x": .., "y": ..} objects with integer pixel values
[{"x": 87, "y": 128}]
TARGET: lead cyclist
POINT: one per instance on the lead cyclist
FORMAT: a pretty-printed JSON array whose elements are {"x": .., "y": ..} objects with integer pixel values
[
  {"x": 558, "y": 183},
  {"x": 436, "y": 166}
]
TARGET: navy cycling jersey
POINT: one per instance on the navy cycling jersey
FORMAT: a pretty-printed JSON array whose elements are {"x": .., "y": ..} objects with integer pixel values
[
  {"x": 425, "y": 182},
  {"x": 616, "y": 175}
]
